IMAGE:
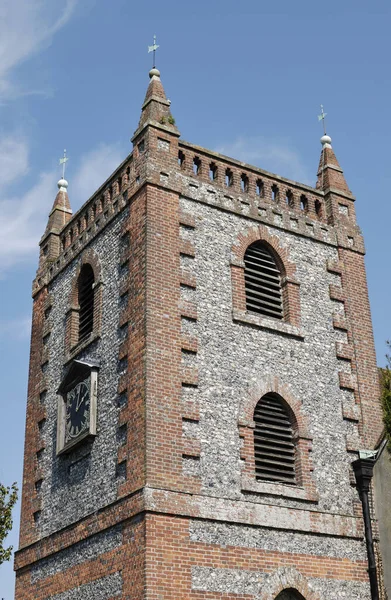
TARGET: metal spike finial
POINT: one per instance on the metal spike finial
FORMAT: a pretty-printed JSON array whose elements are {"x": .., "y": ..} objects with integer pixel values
[
  {"x": 322, "y": 117},
  {"x": 153, "y": 49},
  {"x": 62, "y": 162}
]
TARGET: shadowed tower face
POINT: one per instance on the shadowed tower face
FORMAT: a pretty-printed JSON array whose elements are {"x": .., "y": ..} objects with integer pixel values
[{"x": 202, "y": 375}]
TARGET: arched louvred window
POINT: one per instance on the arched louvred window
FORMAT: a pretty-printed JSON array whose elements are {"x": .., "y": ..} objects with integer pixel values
[
  {"x": 274, "y": 447},
  {"x": 86, "y": 301},
  {"x": 262, "y": 281}
]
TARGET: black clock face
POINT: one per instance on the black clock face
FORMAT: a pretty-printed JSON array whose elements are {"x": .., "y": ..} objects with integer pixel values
[{"x": 77, "y": 417}]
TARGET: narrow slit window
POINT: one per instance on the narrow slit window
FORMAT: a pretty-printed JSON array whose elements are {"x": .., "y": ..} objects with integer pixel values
[
  {"x": 229, "y": 178},
  {"x": 181, "y": 159},
  {"x": 196, "y": 165},
  {"x": 318, "y": 208},
  {"x": 212, "y": 172},
  {"x": 260, "y": 188},
  {"x": 262, "y": 282},
  {"x": 86, "y": 301},
  {"x": 275, "y": 193},
  {"x": 244, "y": 183},
  {"x": 274, "y": 441},
  {"x": 289, "y": 198},
  {"x": 303, "y": 203}
]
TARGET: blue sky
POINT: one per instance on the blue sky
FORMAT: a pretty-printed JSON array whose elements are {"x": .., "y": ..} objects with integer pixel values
[{"x": 245, "y": 78}]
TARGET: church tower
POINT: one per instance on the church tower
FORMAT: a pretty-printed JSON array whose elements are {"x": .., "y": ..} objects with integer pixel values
[{"x": 202, "y": 375}]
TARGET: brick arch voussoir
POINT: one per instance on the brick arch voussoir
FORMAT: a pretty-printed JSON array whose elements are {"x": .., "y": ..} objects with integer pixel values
[
  {"x": 286, "y": 578},
  {"x": 269, "y": 384},
  {"x": 255, "y": 234},
  {"x": 88, "y": 257}
]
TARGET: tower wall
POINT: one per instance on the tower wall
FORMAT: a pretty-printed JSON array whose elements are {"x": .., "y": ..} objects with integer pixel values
[{"x": 164, "y": 502}]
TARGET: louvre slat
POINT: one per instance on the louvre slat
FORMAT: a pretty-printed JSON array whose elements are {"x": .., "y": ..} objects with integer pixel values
[
  {"x": 282, "y": 472},
  {"x": 258, "y": 297},
  {"x": 275, "y": 464},
  {"x": 269, "y": 290},
  {"x": 253, "y": 283},
  {"x": 262, "y": 450},
  {"x": 259, "y": 252},
  {"x": 265, "y": 311},
  {"x": 283, "y": 445},
  {"x": 255, "y": 299},
  {"x": 263, "y": 441},
  {"x": 274, "y": 450},
  {"x": 272, "y": 414},
  {"x": 277, "y": 479},
  {"x": 268, "y": 420},
  {"x": 252, "y": 277},
  {"x": 271, "y": 407},
  {"x": 269, "y": 297},
  {"x": 267, "y": 262},
  {"x": 267, "y": 269}
]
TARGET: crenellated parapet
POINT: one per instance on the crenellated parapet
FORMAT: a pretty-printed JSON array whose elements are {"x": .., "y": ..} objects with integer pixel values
[{"x": 76, "y": 232}]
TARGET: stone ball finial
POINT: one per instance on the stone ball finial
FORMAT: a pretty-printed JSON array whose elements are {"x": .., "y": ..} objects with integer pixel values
[
  {"x": 325, "y": 140},
  {"x": 62, "y": 185},
  {"x": 154, "y": 73}
]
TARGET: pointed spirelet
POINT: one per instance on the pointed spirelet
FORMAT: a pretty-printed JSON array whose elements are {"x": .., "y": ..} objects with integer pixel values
[
  {"x": 330, "y": 174},
  {"x": 61, "y": 211},
  {"x": 156, "y": 108}
]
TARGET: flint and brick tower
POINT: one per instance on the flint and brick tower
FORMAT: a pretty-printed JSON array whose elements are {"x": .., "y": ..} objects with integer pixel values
[{"x": 202, "y": 375}]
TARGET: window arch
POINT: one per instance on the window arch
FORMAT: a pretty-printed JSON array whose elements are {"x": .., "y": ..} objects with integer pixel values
[
  {"x": 262, "y": 281},
  {"x": 85, "y": 291},
  {"x": 274, "y": 441}
]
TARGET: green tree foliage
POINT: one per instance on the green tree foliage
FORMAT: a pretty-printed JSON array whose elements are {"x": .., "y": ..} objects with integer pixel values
[
  {"x": 386, "y": 396},
  {"x": 8, "y": 498}
]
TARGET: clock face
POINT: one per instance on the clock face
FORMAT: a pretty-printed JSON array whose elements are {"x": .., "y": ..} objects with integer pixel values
[{"x": 77, "y": 418}]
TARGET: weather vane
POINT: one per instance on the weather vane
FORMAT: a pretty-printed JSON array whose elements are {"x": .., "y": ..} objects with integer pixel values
[
  {"x": 322, "y": 117},
  {"x": 62, "y": 162},
  {"x": 153, "y": 49}
]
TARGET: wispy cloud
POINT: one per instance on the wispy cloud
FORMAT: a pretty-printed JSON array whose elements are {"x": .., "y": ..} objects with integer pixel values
[
  {"x": 26, "y": 27},
  {"x": 13, "y": 159},
  {"x": 95, "y": 167},
  {"x": 18, "y": 328},
  {"x": 23, "y": 218},
  {"x": 22, "y": 221},
  {"x": 269, "y": 155}
]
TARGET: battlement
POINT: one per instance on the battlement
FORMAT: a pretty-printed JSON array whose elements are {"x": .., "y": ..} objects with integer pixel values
[
  {"x": 109, "y": 199},
  {"x": 213, "y": 178},
  {"x": 247, "y": 181}
]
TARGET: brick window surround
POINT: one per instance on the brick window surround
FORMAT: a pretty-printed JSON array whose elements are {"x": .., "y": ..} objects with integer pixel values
[
  {"x": 286, "y": 578},
  {"x": 290, "y": 287},
  {"x": 72, "y": 342},
  {"x": 305, "y": 487}
]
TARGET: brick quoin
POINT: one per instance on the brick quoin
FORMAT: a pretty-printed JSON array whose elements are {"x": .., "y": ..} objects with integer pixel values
[{"x": 164, "y": 501}]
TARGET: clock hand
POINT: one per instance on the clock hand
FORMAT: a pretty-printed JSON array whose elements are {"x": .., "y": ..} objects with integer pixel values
[{"x": 78, "y": 401}]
